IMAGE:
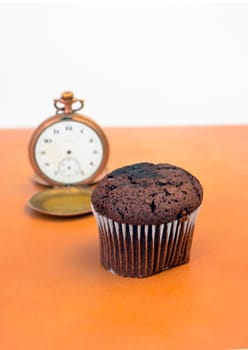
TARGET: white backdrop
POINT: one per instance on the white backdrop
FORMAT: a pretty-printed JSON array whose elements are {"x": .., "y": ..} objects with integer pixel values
[{"x": 133, "y": 63}]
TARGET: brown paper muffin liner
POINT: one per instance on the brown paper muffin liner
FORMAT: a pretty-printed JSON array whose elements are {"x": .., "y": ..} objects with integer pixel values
[{"x": 143, "y": 250}]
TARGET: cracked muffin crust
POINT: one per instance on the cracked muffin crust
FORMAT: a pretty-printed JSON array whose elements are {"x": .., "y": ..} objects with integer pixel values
[{"x": 147, "y": 194}]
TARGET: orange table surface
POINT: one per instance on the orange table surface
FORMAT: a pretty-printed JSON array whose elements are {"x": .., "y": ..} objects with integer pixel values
[{"x": 54, "y": 294}]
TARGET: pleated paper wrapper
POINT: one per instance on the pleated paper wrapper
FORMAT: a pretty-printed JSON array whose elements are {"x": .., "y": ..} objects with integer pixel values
[{"x": 143, "y": 250}]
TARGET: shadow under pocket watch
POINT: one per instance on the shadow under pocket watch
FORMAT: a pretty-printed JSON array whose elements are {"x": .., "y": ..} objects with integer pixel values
[{"x": 68, "y": 150}]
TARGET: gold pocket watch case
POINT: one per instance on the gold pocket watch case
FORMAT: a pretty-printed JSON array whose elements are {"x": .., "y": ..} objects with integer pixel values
[
  {"x": 66, "y": 201},
  {"x": 67, "y": 150}
]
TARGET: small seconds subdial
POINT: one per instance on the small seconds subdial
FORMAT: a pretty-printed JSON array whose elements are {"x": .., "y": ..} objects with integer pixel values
[
  {"x": 69, "y": 152},
  {"x": 69, "y": 167}
]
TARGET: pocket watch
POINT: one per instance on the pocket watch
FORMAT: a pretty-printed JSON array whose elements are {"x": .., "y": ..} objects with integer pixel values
[{"x": 67, "y": 150}]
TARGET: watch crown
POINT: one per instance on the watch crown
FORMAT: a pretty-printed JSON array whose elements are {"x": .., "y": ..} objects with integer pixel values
[
  {"x": 67, "y": 95},
  {"x": 67, "y": 100}
]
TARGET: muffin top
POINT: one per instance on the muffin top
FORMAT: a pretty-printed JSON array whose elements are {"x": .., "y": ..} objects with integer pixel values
[{"x": 147, "y": 194}]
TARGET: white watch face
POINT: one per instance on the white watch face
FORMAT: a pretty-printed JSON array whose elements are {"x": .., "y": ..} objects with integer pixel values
[{"x": 69, "y": 152}]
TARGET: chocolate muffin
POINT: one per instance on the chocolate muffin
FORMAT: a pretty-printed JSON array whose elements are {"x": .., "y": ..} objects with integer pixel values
[{"x": 146, "y": 214}]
